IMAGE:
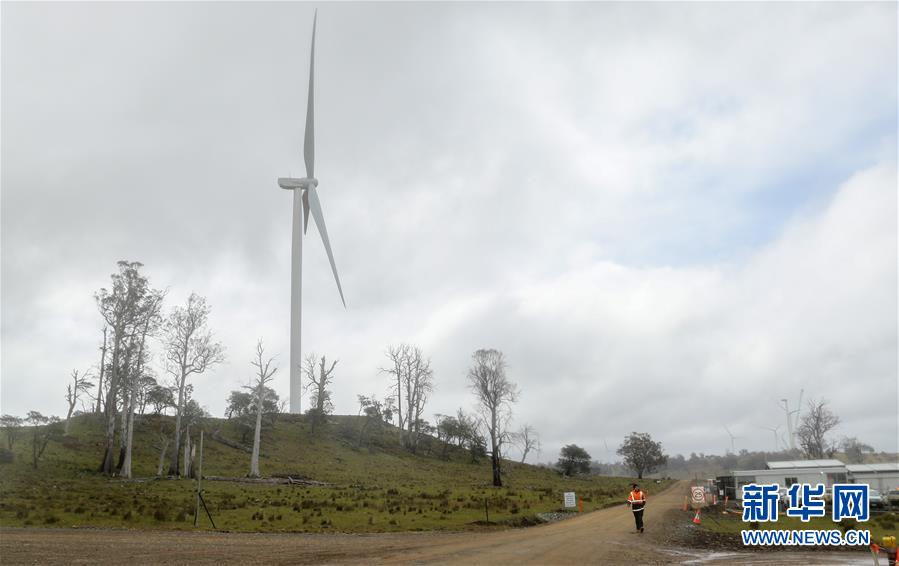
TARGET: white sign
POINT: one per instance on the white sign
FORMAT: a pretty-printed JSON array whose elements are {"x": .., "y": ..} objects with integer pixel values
[
  {"x": 697, "y": 494},
  {"x": 569, "y": 499}
]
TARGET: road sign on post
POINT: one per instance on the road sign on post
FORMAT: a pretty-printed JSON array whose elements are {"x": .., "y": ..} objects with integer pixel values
[
  {"x": 697, "y": 496},
  {"x": 570, "y": 500}
]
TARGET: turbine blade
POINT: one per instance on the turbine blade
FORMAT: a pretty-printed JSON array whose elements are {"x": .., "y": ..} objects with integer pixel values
[
  {"x": 323, "y": 231},
  {"x": 305, "y": 211},
  {"x": 309, "y": 141}
]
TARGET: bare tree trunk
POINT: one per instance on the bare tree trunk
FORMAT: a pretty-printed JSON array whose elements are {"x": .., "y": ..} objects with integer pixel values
[
  {"x": 132, "y": 394},
  {"x": 69, "y": 415},
  {"x": 106, "y": 466},
  {"x": 164, "y": 439},
  {"x": 102, "y": 370},
  {"x": 186, "y": 462},
  {"x": 126, "y": 465},
  {"x": 173, "y": 467},
  {"x": 257, "y": 439},
  {"x": 123, "y": 436},
  {"x": 494, "y": 456}
]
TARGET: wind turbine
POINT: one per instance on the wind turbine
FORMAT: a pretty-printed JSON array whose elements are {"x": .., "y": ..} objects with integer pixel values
[
  {"x": 774, "y": 430},
  {"x": 732, "y": 437},
  {"x": 792, "y": 418},
  {"x": 305, "y": 200}
]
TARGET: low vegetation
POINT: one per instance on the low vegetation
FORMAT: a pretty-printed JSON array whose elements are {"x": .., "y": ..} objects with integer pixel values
[{"x": 353, "y": 482}]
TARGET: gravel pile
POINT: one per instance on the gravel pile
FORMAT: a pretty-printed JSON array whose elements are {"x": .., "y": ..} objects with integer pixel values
[{"x": 555, "y": 516}]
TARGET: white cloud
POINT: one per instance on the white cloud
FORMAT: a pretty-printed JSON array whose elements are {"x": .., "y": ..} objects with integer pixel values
[{"x": 629, "y": 200}]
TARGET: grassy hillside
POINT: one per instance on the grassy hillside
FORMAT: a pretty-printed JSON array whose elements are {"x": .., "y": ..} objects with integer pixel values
[{"x": 369, "y": 488}]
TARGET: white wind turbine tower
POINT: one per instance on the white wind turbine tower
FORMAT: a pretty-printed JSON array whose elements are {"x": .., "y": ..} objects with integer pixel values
[
  {"x": 792, "y": 418},
  {"x": 732, "y": 438},
  {"x": 774, "y": 430},
  {"x": 305, "y": 200}
]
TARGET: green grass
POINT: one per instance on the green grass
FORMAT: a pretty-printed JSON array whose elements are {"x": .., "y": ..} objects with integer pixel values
[{"x": 378, "y": 487}]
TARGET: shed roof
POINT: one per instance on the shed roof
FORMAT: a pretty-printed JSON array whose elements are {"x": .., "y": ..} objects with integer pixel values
[
  {"x": 873, "y": 468},
  {"x": 789, "y": 464}
]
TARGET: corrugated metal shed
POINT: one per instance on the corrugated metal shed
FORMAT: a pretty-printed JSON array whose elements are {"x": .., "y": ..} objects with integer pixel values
[{"x": 787, "y": 464}]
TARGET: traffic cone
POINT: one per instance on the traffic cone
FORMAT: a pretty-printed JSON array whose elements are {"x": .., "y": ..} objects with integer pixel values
[{"x": 697, "y": 520}]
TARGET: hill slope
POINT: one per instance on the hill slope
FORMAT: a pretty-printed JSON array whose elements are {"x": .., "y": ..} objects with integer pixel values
[{"x": 368, "y": 486}]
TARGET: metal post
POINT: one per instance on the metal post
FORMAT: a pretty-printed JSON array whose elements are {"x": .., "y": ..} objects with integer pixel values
[{"x": 199, "y": 482}]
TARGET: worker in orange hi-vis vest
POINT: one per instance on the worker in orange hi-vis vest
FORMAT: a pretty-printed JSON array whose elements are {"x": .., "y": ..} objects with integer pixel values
[{"x": 637, "y": 500}]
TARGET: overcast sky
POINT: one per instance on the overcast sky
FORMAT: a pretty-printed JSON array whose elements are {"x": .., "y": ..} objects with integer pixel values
[{"x": 667, "y": 216}]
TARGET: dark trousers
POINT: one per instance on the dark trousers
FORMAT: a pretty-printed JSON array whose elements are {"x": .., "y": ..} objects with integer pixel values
[{"x": 638, "y": 516}]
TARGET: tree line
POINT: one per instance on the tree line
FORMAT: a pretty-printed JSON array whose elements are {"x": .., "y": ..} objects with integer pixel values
[{"x": 124, "y": 384}]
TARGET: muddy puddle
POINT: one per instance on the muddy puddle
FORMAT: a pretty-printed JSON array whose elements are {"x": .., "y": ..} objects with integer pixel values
[{"x": 685, "y": 556}]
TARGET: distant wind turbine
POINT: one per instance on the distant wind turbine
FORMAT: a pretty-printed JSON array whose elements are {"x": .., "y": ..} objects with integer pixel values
[
  {"x": 792, "y": 418},
  {"x": 774, "y": 430},
  {"x": 732, "y": 437},
  {"x": 305, "y": 199}
]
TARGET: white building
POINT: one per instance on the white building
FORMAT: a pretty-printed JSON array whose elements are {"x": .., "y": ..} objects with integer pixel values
[
  {"x": 788, "y": 472},
  {"x": 882, "y": 477}
]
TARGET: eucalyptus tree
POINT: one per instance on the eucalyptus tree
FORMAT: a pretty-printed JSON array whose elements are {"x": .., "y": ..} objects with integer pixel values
[
  {"x": 527, "y": 440},
  {"x": 12, "y": 426},
  {"x": 320, "y": 405},
  {"x": 414, "y": 385},
  {"x": 494, "y": 393},
  {"x": 139, "y": 379},
  {"x": 42, "y": 430},
  {"x": 642, "y": 454},
  {"x": 102, "y": 370},
  {"x": 120, "y": 307},
  {"x": 189, "y": 349},
  {"x": 813, "y": 428},
  {"x": 265, "y": 373},
  {"x": 79, "y": 384}
]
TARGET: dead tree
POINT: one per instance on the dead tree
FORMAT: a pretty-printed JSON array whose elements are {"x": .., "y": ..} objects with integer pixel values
[
  {"x": 527, "y": 440},
  {"x": 264, "y": 375},
  {"x": 79, "y": 384},
  {"x": 813, "y": 429},
  {"x": 189, "y": 349},
  {"x": 494, "y": 394},
  {"x": 415, "y": 379},
  {"x": 396, "y": 354},
  {"x": 320, "y": 396}
]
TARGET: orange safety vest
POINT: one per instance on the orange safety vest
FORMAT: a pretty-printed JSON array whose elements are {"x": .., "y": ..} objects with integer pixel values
[{"x": 636, "y": 497}]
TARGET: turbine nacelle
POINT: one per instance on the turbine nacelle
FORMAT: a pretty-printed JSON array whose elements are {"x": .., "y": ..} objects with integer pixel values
[{"x": 289, "y": 183}]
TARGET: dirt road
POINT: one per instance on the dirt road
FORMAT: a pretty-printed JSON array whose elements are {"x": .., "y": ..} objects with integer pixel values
[{"x": 601, "y": 537}]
